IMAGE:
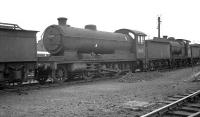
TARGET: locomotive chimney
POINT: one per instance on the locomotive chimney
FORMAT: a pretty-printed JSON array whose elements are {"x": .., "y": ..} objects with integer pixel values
[
  {"x": 62, "y": 21},
  {"x": 91, "y": 27}
]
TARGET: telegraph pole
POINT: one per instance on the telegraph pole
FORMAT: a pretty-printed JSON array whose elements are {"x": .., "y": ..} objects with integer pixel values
[{"x": 159, "y": 27}]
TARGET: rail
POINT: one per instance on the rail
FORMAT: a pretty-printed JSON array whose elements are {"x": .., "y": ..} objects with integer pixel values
[{"x": 162, "y": 110}]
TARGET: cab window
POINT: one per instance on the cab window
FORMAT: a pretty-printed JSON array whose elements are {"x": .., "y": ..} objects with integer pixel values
[
  {"x": 132, "y": 35},
  {"x": 141, "y": 39}
]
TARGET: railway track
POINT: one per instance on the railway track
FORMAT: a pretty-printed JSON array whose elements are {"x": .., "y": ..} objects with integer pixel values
[
  {"x": 24, "y": 88},
  {"x": 187, "y": 105}
]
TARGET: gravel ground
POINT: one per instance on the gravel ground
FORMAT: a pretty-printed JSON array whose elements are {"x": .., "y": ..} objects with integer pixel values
[{"x": 107, "y": 98}]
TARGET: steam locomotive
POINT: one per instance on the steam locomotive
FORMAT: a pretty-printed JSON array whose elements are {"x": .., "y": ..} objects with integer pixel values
[{"x": 88, "y": 53}]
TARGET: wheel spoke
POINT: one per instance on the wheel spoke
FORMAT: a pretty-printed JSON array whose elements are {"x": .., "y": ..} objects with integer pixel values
[{"x": 61, "y": 74}]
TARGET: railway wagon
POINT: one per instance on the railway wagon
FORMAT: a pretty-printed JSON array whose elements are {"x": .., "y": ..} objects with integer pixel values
[
  {"x": 17, "y": 53},
  {"x": 88, "y": 52}
]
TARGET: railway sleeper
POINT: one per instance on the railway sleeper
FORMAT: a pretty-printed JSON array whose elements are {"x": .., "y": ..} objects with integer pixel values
[
  {"x": 197, "y": 114},
  {"x": 189, "y": 109},
  {"x": 194, "y": 105},
  {"x": 179, "y": 113}
]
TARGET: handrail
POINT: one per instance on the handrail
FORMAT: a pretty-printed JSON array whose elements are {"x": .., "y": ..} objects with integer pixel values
[{"x": 10, "y": 26}]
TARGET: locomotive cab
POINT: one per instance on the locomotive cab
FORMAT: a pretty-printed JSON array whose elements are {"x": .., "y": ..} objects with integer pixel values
[
  {"x": 138, "y": 45},
  {"x": 138, "y": 41}
]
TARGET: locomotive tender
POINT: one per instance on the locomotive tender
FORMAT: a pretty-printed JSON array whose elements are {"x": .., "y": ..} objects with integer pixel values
[
  {"x": 168, "y": 52},
  {"x": 18, "y": 53},
  {"x": 87, "y": 53}
]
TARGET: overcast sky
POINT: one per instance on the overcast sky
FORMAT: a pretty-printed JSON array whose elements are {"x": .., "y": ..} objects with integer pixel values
[{"x": 180, "y": 18}]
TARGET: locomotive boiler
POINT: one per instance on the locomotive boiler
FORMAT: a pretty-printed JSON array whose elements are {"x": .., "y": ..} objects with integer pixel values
[{"x": 60, "y": 38}]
